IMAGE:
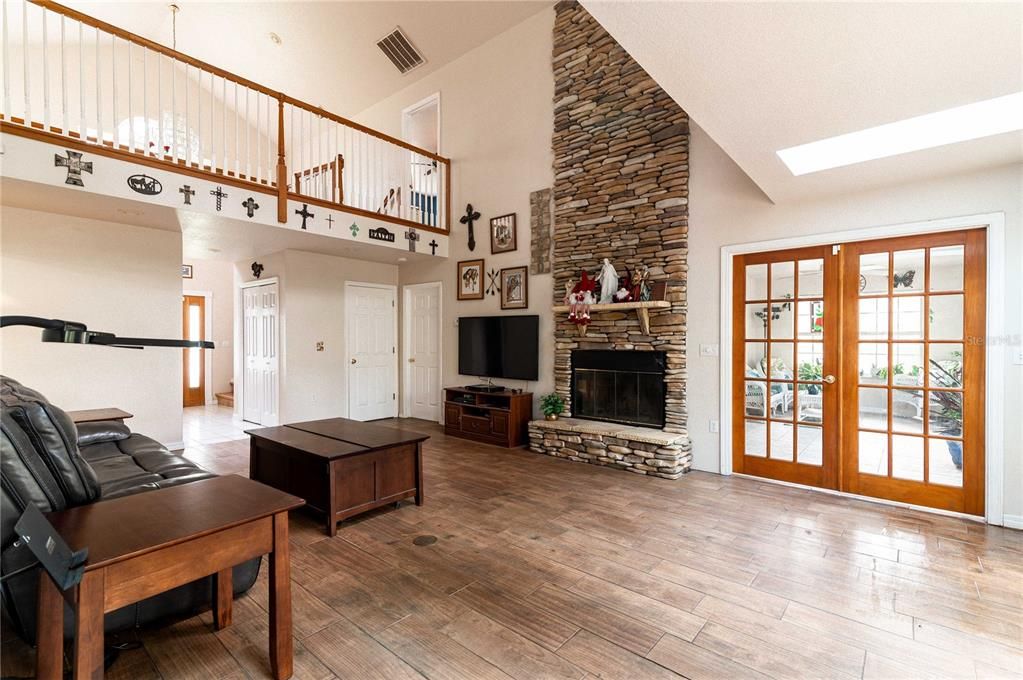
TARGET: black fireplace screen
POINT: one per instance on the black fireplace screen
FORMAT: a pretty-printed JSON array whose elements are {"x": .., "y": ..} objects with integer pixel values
[{"x": 619, "y": 386}]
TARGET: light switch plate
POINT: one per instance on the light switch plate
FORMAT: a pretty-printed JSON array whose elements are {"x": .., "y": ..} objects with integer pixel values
[
  {"x": 708, "y": 350},
  {"x": 714, "y": 427},
  {"x": 1017, "y": 356}
]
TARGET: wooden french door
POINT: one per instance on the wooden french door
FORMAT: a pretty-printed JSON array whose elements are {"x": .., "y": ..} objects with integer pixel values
[
  {"x": 860, "y": 367},
  {"x": 785, "y": 359},
  {"x": 193, "y": 377}
]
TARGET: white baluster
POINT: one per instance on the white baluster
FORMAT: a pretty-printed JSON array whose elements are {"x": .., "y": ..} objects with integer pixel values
[
  {"x": 159, "y": 105},
  {"x": 174, "y": 109},
  {"x": 99, "y": 96},
  {"x": 46, "y": 74},
  {"x": 115, "y": 132},
  {"x": 237, "y": 147},
  {"x": 213, "y": 129},
  {"x": 188, "y": 121},
  {"x": 145, "y": 100},
  {"x": 259, "y": 139},
  {"x": 6, "y": 64},
  {"x": 24, "y": 55},
  {"x": 63, "y": 71},
  {"x": 223, "y": 124},
  {"x": 131, "y": 108},
  {"x": 81, "y": 82}
]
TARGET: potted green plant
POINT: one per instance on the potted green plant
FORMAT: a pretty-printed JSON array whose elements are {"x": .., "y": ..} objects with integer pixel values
[
  {"x": 552, "y": 406},
  {"x": 947, "y": 406},
  {"x": 810, "y": 371}
]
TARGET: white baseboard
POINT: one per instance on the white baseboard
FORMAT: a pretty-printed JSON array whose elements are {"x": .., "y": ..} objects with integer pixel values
[{"x": 1012, "y": 521}]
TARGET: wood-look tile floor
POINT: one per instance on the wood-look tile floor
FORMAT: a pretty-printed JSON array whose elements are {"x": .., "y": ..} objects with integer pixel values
[{"x": 545, "y": 568}]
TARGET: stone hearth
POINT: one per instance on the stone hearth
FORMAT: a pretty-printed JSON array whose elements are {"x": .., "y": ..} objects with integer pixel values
[{"x": 637, "y": 449}]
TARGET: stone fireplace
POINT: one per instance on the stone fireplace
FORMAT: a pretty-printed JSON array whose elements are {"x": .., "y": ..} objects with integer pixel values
[{"x": 621, "y": 191}]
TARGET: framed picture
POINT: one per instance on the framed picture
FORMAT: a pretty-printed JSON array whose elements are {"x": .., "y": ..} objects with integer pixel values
[
  {"x": 470, "y": 280},
  {"x": 186, "y": 271},
  {"x": 515, "y": 288},
  {"x": 503, "y": 236}
]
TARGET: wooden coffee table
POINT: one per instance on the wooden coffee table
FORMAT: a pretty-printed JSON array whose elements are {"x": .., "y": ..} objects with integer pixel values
[
  {"x": 150, "y": 542},
  {"x": 340, "y": 467}
]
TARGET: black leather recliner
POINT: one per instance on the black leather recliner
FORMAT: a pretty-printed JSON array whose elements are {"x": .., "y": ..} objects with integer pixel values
[{"x": 48, "y": 461}]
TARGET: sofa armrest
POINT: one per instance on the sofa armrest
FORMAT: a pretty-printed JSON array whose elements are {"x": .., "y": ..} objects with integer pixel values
[{"x": 102, "y": 431}]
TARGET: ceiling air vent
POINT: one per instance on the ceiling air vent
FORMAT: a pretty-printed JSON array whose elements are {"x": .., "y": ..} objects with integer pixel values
[{"x": 400, "y": 51}]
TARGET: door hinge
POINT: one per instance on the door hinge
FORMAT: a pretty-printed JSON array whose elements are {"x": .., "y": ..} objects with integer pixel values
[
  {"x": 393, "y": 350},
  {"x": 393, "y": 395}
]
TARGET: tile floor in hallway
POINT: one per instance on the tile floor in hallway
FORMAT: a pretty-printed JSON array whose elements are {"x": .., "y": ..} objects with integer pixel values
[
  {"x": 212, "y": 424},
  {"x": 544, "y": 568}
]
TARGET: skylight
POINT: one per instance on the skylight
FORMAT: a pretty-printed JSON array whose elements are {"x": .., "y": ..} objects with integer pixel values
[{"x": 959, "y": 124}]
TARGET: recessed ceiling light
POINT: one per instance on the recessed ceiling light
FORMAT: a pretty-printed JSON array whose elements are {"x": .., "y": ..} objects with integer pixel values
[
  {"x": 214, "y": 250},
  {"x": 959, "y": 124},
  {"x": 275, "y": 39},
  {"x": 402, "y": 259}
]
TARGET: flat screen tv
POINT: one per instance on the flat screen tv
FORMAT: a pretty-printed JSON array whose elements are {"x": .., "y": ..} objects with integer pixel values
[{"x": 499, "y": 346}]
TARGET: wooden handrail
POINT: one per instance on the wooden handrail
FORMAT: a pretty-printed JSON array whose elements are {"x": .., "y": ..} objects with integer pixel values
[
  {"x": 282, "y": 188},
  {"x": 184, "y": 58}
]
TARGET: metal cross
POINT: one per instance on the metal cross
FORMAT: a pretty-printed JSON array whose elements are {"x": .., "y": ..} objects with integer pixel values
[
  {"x": 250, "y": 206},
  {"x": 75, "y": 167},
  {"x": 188, "y": 192},
  {"x": 219, "y": 193},
  {"x": 304, "y": 212},
  {"x": 433, "y": 247},
  {"x": 468, "y": 218},
  {"x": 354, "y": 229},
  {"x": 330, "y": 221},
  {"x": 412, "y": 237}
]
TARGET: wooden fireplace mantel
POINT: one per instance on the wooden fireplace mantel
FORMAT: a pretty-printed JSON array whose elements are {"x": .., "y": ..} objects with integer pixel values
[{"x": 642, "y": 311}]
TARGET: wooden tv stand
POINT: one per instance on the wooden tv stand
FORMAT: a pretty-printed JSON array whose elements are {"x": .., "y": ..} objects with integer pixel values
[{"x": 500, "y": 418}]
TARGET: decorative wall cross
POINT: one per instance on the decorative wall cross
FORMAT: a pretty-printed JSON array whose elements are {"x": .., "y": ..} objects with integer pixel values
[
  {"x": 250, "y": 206},
  {"x": 219, "y": 193},
  {"x": 412, "y": 235},
  {"x": 75, "y": 167},
  {"x": 433, "y": 247},
  {"x": 304, "y": 212},
  {"x": 354, "y": 229},
  {"x": 188, "y": 192},
  {"x": 330, "y": 221},
  {"x": 468, "y": 218}
]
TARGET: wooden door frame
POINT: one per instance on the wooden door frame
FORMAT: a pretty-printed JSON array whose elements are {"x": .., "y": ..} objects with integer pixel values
[
  {"x": 208, "y": 330},
  {"x": 995, "y": 359},
  {"x": 239, "y": 364},
  {"x": 406, "y": 343},
  {"x": 348, "y": 345}
]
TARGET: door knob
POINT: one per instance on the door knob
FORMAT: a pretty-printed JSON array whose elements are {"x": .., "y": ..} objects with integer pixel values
[
  {"x": 829, "y": 379},
  {"x": 353, "y": 360}
]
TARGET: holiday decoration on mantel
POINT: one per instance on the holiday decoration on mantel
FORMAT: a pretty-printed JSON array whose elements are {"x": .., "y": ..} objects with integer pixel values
[
  {"x": 579, "y": 300},
  {"x": 625, "y": 288},
  {"x": 608, "y": 282}
]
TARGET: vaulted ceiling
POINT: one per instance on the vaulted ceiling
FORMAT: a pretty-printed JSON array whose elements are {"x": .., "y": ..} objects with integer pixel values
[
  {"x": 328, "y": 54},
  {"x": 764, "y": 76}
]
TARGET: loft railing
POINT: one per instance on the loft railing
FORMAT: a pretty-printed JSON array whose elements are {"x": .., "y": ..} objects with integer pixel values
[{"x": 73, "y": 77}]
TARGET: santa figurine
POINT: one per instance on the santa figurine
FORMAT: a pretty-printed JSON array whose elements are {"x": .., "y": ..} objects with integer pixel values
[{"x": 580, "y": 299}]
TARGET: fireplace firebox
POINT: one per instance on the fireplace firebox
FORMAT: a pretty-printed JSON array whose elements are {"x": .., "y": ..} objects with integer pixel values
[{"x": 619, "y": 386}]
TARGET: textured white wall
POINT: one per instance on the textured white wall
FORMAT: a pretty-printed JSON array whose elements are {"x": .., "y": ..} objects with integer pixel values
[
  {"x": 497, "y": 113},
  {"x": 112, "y": 277}
]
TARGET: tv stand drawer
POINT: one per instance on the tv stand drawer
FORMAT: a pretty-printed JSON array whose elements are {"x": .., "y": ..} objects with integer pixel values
[{"x": 475, "y": 424}]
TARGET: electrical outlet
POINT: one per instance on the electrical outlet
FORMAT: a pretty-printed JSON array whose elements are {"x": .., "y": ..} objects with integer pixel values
[
  {"x": 708, "y": 350},
  {"x": 714, "y": 426},
  {"x": 1017, "y": 357}
]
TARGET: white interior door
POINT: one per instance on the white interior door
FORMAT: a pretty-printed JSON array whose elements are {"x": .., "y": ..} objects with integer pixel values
[
  {"x": 422, "y": 318},
  {"x": 371, "y": 319},
  {"x": 260, "y": 339}
]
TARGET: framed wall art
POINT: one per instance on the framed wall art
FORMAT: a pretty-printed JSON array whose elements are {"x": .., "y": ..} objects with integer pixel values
[
  {"x": 186, "y": 271},
  {"x": 515, "y": 288},
  {"x": 470, "y": 280},
  {"x": 503, "y": 235}
]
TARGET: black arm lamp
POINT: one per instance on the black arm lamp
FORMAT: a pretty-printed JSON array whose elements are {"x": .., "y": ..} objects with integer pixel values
[{"x": 56, "y": 330}]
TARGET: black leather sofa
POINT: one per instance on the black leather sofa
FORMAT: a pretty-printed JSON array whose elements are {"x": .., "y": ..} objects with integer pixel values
[{"x": 48, "y": 461}]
